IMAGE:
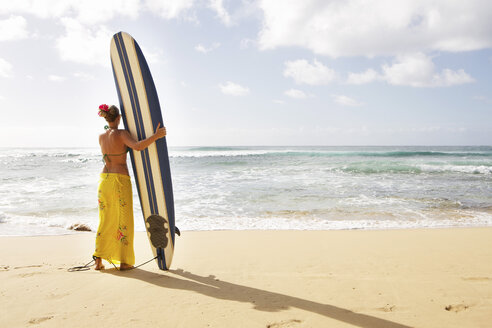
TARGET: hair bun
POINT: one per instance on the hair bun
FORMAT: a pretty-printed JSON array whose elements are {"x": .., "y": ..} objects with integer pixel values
[
  {"x": 103, "y": 110},
  {"x": 109, "y": 113}
]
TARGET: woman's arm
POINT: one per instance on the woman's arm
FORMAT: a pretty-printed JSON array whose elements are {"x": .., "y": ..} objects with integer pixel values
[{"x": 142, "y": 144}]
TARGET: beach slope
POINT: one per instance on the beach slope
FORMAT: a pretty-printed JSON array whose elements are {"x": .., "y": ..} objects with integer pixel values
[{"x": 395, "y": 279}]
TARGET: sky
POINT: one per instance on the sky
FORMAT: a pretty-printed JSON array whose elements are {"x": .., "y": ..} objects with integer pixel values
[{"x": 254, "y": 73}]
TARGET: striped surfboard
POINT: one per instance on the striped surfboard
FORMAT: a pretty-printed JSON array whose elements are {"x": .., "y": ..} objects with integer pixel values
[{"x": 141, "y": 114}]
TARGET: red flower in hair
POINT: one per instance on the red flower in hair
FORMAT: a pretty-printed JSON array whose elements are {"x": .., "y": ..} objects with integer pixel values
[{"x": 103, "y": 108}]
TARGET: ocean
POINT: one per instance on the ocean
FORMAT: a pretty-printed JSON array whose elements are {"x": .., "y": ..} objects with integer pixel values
[{"x": 45, "y": 191}]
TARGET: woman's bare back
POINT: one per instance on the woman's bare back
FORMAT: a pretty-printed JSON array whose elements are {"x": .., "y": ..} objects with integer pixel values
[{"x": 114, "y": 152}]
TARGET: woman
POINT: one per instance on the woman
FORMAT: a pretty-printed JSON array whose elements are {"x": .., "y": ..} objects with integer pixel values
[{"x": 114, "y": 240}]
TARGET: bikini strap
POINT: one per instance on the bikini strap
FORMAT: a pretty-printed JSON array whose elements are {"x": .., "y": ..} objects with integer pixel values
[{"x": 106, "y": 156}]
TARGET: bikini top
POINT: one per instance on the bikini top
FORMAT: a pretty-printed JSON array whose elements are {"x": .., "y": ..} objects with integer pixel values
[{"x": 106, "y": 156}]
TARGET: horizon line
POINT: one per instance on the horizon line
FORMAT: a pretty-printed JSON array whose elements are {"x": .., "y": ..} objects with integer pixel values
[{"x": 242, "y": 146}]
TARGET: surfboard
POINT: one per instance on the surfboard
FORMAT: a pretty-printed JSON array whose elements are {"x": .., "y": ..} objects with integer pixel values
[{"x": 141, "y": 114}]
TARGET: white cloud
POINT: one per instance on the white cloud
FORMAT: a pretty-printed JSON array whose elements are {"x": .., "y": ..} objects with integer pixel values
[
  {"x": 153, "y": 56},
  {"x": 297, "y": 94},
  {"x": 97, "y": 12},
  {"x": 415, "y": 70},
  {"x": 418, "y": 70},
  {"x": 203, "y": 49},
  {"x": 13, "y": 28},
  {"x": 169, "y": 9},
  {"x": 365, "y": 77},
  {"x": 346, "y": 101},
  {"x": 5, "y": 68},
  {"x": 370, "y": 28},
  {"x": 56, "y": 78},
  {"x": 247, "y": 43},
  {"x": 233, "y": 89},
  {"x": 483, "y": 99},
  {"x": 41, "y": 9},
  {"x": 85, "y": 45},
  {"x": 84, "y": 76},
  {"x": 304, "y": 72},
  {"x": 86, "y": 12},
  {"x": 222, "y": 14}
]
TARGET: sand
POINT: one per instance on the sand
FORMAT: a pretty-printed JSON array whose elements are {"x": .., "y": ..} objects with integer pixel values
[{"x": 395, "y": 279}]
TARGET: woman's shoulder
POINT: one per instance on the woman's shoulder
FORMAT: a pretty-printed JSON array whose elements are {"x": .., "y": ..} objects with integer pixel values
[
  {"x": 113, "y": 133},
  {"x": 121, "y": 132}
]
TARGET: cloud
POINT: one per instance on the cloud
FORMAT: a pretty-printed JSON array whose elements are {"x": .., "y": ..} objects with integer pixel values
[
  {"x": 246, "y": 43},
  {"x": 154, "y": 56},
  {"x": 86, "y": 12},
  {"x": 203, "y": 49},
  {"x": 418, "y": 70},
  {"x": 5, "y": 68},
  {"x": 233, "y": 89},
  {"x": 370, "y": 28},
  {"x": 84, "y": 45},
  {"x": 56, "y": 78},
  {"x": 346, "y": 101},
  {"x": 415, "y": 70},
  {"x": 296, "y": 94},
  {"x": 169, "y": 9},
  {"x": 365, "y": 77},
  {"x": 13, "y": 28},
  {"x": 41, "y": 9},
  {"x": 84, "y": 76},
  {"x": 222, "y": 14},
  {"x": 305, "y": 73},
  {"x": 96, "y": 11},
  {"x": 483, "y": 99}
]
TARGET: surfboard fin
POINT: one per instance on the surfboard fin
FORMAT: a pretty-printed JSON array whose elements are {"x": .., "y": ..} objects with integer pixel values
[{"x": 176, "y": 231}]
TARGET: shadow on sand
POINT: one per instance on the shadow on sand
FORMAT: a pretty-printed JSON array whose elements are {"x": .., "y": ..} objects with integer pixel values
[{"x": 260, "y": 299}]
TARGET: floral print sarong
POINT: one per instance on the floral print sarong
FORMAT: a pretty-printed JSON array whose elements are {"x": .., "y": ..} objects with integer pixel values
[{"x": 114, "y": 240}]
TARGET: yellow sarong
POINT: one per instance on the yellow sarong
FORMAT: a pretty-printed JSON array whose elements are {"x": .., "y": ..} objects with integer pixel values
[{"x": 114, "y": 240}]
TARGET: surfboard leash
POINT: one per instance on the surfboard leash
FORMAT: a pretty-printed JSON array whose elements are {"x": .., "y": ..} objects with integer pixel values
[
  {"x": 133, "y": 267},
  {"x": 87, "y": 266},
  {"x": 82, "y": 267}
]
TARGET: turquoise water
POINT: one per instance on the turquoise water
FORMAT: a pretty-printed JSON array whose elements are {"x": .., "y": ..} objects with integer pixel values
[{"x": 45, "y": 191}]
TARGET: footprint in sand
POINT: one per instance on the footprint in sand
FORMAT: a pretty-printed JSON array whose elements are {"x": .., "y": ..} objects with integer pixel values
[
  {"x": 4, "y": 268},
  {"x": 30, "y": 274},
  {"x": 284, "y": 324},
  {"x": 29, "y": 266},
  {"x": 457, "y": 307},
  {"x": 477, "y": 278},
  {"x": 39, "y": 320},
  {"x": 387, "y": 308},
  {"x": 57, "y": 296}
]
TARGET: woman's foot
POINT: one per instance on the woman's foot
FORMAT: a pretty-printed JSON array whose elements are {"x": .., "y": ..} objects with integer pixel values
[
  {"x": 99, "y": 264},
  {"x": 124, "y": 266}
]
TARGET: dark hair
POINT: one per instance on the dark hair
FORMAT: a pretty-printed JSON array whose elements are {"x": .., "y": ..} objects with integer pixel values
[{"x": 112, "y": 113}]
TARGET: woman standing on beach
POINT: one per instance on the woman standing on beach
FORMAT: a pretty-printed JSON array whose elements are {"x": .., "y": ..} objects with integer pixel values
[{"x": 114, "y": 240}]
